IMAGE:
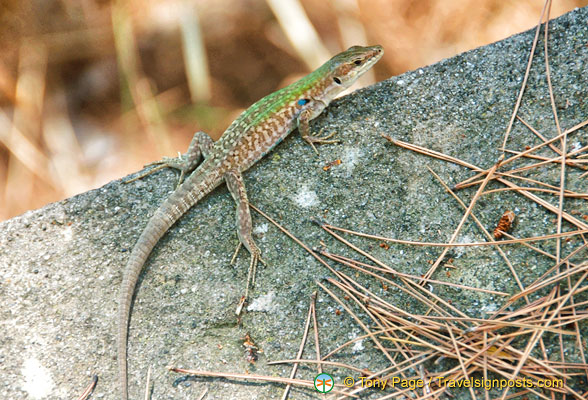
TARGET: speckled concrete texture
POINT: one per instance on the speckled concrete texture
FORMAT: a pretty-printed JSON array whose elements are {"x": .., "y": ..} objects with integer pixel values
[{"x": 61, "y": 266}]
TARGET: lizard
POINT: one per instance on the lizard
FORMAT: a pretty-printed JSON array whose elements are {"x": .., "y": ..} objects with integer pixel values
[{"x": 206, "y": 164}]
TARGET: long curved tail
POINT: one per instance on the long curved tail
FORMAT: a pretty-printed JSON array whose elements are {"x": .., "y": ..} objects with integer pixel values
[{"x": 166, "y": 215}]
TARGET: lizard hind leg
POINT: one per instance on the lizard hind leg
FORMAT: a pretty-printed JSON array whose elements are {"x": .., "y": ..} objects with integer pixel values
[
  {"x": 244, "y": 226},
  {"x": 199, "y": 148}
]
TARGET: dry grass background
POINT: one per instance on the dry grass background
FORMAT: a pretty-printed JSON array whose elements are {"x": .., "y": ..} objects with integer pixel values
[{"x": 91, "y": 90}]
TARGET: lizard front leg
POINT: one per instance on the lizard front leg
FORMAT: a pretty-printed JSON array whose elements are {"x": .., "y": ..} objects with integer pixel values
[
  {"x": 313, "y": 109},
  {"x": 199, "y": 148},
  {"x": 236, "y": 186}
]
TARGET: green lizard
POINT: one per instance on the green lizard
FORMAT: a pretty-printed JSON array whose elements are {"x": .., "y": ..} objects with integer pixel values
[{"x": 252, "y": 135}]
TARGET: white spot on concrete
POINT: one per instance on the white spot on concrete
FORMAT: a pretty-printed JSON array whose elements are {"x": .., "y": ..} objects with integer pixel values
[
  {"x": 306, "y": 198},
  {"x": 263, "y": 303},
  {"x": 459, "y": 251},
  {"x": 37, "y": 379},
  {"x": 358, "y": 346},
  {"x": 351, "y": 156},
  {"x": 489, "y": 308},
  {"x": 67, "y": 234},
  {"x": 261, "y": 228}
]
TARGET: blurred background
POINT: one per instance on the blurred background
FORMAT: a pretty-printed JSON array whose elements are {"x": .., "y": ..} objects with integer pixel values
[{"x": 90, "y": 90}]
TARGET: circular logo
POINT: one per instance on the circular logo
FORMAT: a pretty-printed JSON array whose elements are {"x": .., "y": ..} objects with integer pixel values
[{"x": 323, "y": 383}]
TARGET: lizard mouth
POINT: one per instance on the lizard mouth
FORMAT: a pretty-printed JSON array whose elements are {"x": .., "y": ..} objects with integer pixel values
[
  {"x": 372, "y": 56},
  {"x": 376, "y": 53}
]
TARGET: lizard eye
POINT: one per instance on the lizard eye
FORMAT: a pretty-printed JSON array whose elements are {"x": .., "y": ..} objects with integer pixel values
[
  {"x": 337, "y": 80},
  {"x": 357, "y": 62}
]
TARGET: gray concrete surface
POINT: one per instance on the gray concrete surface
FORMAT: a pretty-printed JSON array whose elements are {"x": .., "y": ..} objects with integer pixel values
[{"x": 61, "y": 265}]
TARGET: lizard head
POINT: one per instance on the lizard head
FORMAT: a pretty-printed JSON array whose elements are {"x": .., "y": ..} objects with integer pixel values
[{"x": 349, "y": 65}]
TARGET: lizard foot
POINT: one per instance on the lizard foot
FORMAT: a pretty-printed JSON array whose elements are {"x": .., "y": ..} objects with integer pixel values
[
  {"x": 320, "y": 139},
  {"x": 255, "y": 259},
  {"x": 178, "y": 163}
]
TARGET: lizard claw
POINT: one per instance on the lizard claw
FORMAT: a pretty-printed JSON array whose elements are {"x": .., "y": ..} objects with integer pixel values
[
  {"x": 178, "y": 163},
  {"x": 144, "y": 174},
  {"x": 167, "y": 161},
  {"x": 318, "y": 139},
  {"x": 255, "y": 260},
  {"x": 236, "y": 252}
]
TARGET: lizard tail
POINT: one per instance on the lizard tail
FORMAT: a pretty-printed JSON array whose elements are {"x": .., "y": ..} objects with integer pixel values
[
  {"x": 156, "y": 227},
  {"x": 168, "y": 213}
]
